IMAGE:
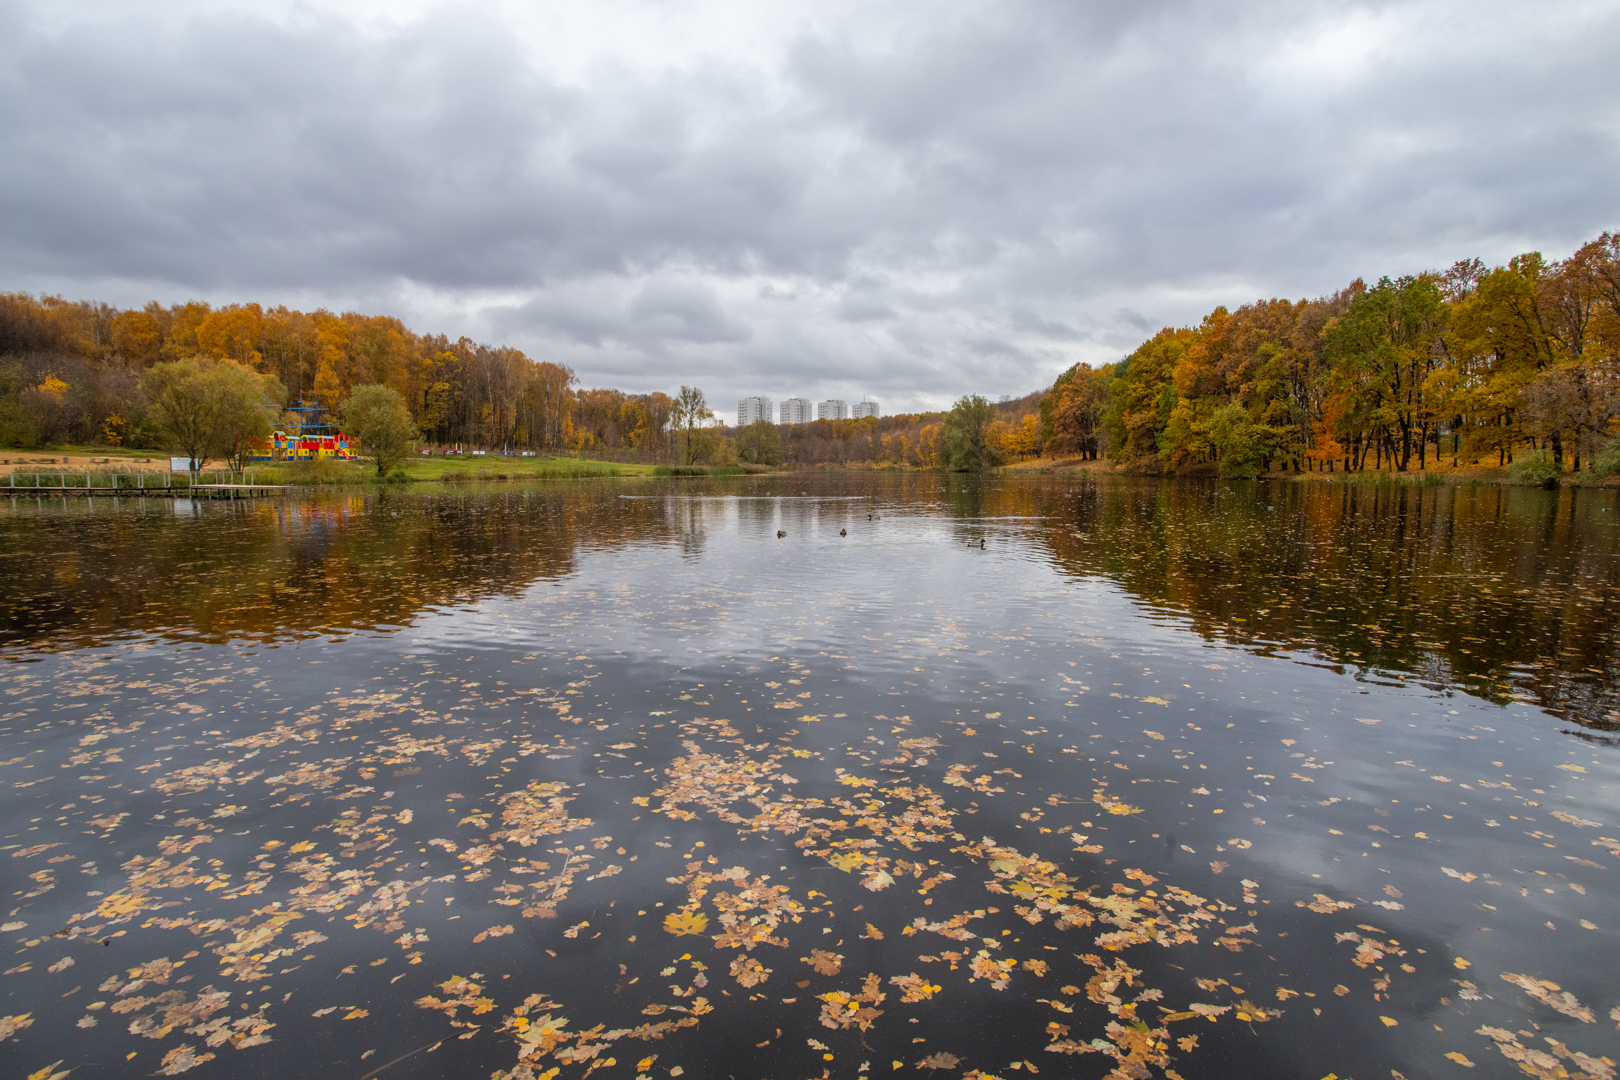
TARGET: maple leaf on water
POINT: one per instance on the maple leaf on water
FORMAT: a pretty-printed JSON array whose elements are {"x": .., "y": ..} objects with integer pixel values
[
  {"x": 941, "y": 1060},
  {"x": 686, "y": 922},
  {"x": 824, "y": 962},
  {"x": 1259, "y": 1014}
]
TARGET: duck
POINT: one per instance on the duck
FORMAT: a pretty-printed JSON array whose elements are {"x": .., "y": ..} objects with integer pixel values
[
  {"x": 781, "y": 533},
  {"x": 843, "y": 532}
]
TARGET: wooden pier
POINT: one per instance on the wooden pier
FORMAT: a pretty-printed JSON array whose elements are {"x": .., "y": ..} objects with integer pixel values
[{"x": 132, "y": 485}]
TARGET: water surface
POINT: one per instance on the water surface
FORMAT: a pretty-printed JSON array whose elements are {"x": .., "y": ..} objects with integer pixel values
[{"x": 959, "y": 776}]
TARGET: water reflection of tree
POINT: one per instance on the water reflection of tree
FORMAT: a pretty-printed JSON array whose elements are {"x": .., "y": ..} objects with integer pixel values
[
  {"x": 1496, "y": 591},
  {"x": 267, "y": 571}
]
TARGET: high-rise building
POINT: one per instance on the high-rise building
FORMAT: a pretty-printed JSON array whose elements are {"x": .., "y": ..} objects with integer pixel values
[
  {"x": 866, "y": 408},
  {"x": 832, "y": 410},
  {"x": 751, "y": 409},
  {"x": 798, "y": 410}
]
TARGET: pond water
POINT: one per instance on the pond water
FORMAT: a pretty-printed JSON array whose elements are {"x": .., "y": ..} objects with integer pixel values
[{"x": 800, "y": 776}]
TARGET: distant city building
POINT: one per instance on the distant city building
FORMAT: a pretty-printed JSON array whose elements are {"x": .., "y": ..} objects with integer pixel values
[
  {"x": 798, "y": 410},
  {"x": 832, "y": 410},
  {"x": 866, "y": 408},
  {"x": 752, "y": 409}
]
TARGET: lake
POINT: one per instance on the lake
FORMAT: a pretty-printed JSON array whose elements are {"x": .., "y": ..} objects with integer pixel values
[{"x": 888, "y": 771}]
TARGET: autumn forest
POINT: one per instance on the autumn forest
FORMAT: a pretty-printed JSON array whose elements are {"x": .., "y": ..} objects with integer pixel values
[{"x": 1473, "y": 364}]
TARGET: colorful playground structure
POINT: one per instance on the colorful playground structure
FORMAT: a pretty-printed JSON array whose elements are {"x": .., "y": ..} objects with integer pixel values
[{"x": 313, "y": 437}]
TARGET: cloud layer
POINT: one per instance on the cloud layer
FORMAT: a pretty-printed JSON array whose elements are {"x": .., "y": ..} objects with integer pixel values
[{"x": 908, "y": 203}]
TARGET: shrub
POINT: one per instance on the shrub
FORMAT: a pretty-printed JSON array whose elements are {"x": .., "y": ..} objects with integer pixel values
[
  {"x": 1606, "y": 462},
  {"x": 320, "y": 472},
  {"x": 1534, "y": 470}
]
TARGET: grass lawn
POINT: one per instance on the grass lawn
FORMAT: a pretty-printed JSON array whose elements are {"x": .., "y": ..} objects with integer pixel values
[
  {"x": 513, "y": 468},
  {"x": 100, "y": 459}
]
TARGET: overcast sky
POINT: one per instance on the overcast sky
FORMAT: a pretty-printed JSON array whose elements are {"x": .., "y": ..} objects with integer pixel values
[{"x": 907, "y": 201}]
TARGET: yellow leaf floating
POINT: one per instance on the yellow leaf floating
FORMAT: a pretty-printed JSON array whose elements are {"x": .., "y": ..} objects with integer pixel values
[
  {"x": 302, "y": 845},
  {"x": 1389, "y": 1021},
  {"x": 1461, "y": 1059},
  {"x": 686, "y": 922}
]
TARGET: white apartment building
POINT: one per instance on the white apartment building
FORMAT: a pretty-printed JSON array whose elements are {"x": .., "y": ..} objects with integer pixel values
[
  {"x": 798, "y": 410},
  {"x": 832, "y": 410},
  {"x": 866, "y": 408},
  {"x": 752, "y": 409}
]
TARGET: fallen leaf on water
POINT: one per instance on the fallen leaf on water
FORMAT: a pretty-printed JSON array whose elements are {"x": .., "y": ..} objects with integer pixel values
[
  {"x": 686, "y": 922},
  {"x": 1461, "y": 1059},
  {"x": 1259, "y": 1014},
  {"x": 1549, "y": 994},
  {"x": 1209, "y": 1012},
  {"x": 1389, "y": 1021},
  {"x": 873, "y": 932},
  {"x": 1326, "y": 905},
  {"x": 825, "y": 963},
  {"x": 181, "y": 1059},
  {"x": 1578, "y": 822}
]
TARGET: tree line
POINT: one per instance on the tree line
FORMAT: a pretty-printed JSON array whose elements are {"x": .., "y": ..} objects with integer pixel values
[
  {"x": 1472, "y": 364},
  {"x": 210, "y": 382}
]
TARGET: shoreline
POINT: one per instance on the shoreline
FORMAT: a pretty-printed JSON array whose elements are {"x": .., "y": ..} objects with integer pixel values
[{"x": 506, "y": 470}]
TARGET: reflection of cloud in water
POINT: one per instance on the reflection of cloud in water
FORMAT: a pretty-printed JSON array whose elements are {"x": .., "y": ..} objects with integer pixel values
[{"x": 838, "y": 783}]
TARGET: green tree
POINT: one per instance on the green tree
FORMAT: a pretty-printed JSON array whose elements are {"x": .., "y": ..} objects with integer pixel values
[
  {"x": 760, "y": 443},
  {"x": 377, "y": 415},
  {"x": 1383, "y": 349},
  {"x": 211, "y": 409},
  {"x": 691, "y": 411},
  {"x": 1242, "y": 445},
  {"x": 249, "y": 406},
  {"x": 966, "y": 447}
]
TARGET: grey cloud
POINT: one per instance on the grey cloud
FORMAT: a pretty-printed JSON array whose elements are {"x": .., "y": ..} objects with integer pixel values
[{"x": 920, "y": 202}]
